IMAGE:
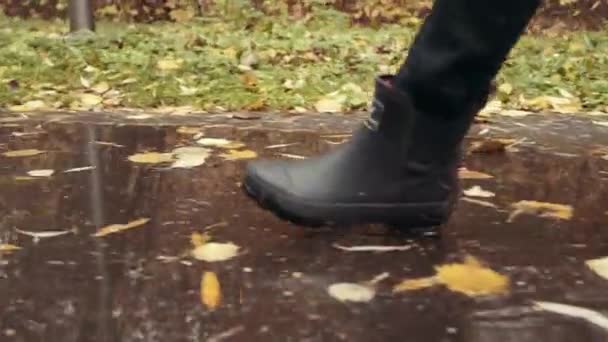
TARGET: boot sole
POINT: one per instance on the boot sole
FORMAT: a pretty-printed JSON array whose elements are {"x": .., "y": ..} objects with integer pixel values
[{"x": 305, "y": 213}]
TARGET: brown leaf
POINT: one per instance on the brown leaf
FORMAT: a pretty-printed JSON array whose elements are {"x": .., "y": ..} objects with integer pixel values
[
  {"x": 22, "y": 153},
  {"x": 211, "y": 292},
  {"x": 117, "y": 228}
]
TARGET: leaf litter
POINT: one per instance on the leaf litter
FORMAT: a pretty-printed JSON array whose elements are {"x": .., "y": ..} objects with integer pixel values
[
  {"x": 119, "y": 228},
  {"x": 470, "y": 278},
  {"x": 151, "y": 158}
]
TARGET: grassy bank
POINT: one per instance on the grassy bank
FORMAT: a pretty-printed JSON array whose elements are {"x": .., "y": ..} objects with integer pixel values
[{"x": 263, "y": 63}]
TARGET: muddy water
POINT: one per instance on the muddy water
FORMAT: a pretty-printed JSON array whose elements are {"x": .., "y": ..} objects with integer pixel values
[{"x": 141, "y": 284}]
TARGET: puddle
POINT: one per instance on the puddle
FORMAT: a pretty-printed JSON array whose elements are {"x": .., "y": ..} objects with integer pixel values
[{"x": 141, "y": 284}]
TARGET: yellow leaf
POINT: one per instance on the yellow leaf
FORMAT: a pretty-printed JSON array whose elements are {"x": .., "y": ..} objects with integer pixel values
[
  {"x": 505, "y": 88},
  {"x": 329, "y": 105},
  {"x": 351, "y": 292},
  {"x": 41, "y": 173},
  {"x": 169, "y": 64},
  {"x": 249, "y": 79},
  {"x": 599, "y": 266},
  {"x": 472, "y": 279},
  {"x": 543, "y": 209},
  {"x": 117, "y": 228},
  {"x": 151, "y": 158},
  {"x": 468, "y": 174},
  {"x": 199, "y": 239},
  {"x": 90, "y": 100},
  {"x": 415, "y": 284},
  {"x": 214, "y": 251},
  {"x": 220, "y": 142},
  {"x": 22, "y": 153},
  {"x": 7, "y": 248},
  {"x": 101, "y": 87},
  {"x": 211, "y": 291},
  {"x": 237, "y": 155},
  {"x": 29, "y": 106}
]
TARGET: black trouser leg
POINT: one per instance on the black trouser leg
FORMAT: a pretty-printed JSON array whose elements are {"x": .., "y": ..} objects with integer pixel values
[{"x": 459, "y": 50}]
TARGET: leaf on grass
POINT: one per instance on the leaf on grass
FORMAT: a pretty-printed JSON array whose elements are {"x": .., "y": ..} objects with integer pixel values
[
  {"x": 101, "y": 88},
  {"x": 555, "y": 103},
  {"x": 41, "y": 173},
  {"x": 505, "y": 88},
  {"x": 472, "y": 279},
  {"x": 151, "y": 158},
  {"x": 220, "y": 142},
  {"x": 189, "y": 157},
  {"x": 373, "y": 248},
  {"x": 542, "y": 209},
  {"x": 599, "y": 266},
  {"x": 588, "y": 315},
  {"x": 22, "y": 153},
  {"x": 198, "y": 239},
  {"x": 330, "y": 105},
  {"x": 415, "y": 284},
  {"x": 8, "y": 248},
  {"x": 117, "y": 228},
  {"x": 214, "y": 251},
  {"x": 239, "y": 154},
  {"x": 351, "y": 292},
  {"x": 468, "y": 174},
  {"x": 491, "y": 145},
  {"x": 211, "y": 292},
  {"x": 29, "y": 106},
  {"x": 169, "y": 64},
  {"x": 43, "y": 234},
  {"x": 90, "y": 100},
  {"x": 477, "y": 191}
]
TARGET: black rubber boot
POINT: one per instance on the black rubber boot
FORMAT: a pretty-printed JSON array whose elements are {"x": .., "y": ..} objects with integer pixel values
[{"x": 399, "y": 168}]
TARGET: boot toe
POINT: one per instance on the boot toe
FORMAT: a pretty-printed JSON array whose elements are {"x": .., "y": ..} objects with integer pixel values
[{"x": 267, "y": 176}]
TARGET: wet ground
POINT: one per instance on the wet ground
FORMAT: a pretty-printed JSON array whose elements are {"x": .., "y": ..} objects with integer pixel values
[{"x": 141, "y": 284}]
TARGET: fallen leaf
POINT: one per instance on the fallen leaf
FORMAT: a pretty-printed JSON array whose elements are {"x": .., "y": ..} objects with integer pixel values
[
  {"x": 85, "y": 82},
  {"x": 8, "y": 248},
  {"x": 471, "y": 278},
  {"x": 151, "y": 158},
  {"x": 468, "y": 174},
  {"x": 272, "y": 147},
  {"x": 211, "y": 293},
  {"x": 249, "y": 79},
  {"x": 491, "y": 145},
  {"x": 117, "y": 228},
  {"x": 213, "y": 251},
  {"x": 292, "y": 156},
  {"x": 189, "y": 157},
  {"x": 79, "y": 169},
  {"x": 198, "y": 239},
  {"x": 505, "y": 88},
  {"x": 90, "y": 100},
  {"x": 415, "y": 284},
  {"x": 22, "y": 153},
  {"x": 41, "y": 173},
  {"x": 588, "y": 315},
  {"x": 24, "y": 178},
  {"x": 237, "y": 155},
  {"x": 601, "y": 123},
  {"x": 477, "y": 191},
  {"x": 350, "y": 292},
  {"x": 479, "y": 202},
  {"x": 169, "y": 64},
  {"x": 373, "y": 248},
  {"x": 220, "y": 142},
  {"x": 599, "y": 266},
  {"x": 139, "y": 116},
  {"x": 101, "y": 88},
  {"x": 43, "y": 234},
  {"x": 29, "y": 106},
  {"x": 542, "y": 209},
  {"x": 329, "y": 105}
]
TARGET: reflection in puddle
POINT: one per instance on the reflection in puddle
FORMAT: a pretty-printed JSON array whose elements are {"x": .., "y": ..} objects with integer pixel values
[{"x": 142, "y": 284}]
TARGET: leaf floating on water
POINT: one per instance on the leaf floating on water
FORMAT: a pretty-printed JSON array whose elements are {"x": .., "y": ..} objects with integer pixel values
[
  {"x": 472, "y": 279},
  {"x": 211, "y": 292},
  {"x": 139, "y": 116},
  {"x": 292, "y": 156},
  {"x": 415, "y": 284},
  {"x": 214, "y": 252},
  {"x": 599, "y": 266},
  {"x": 41, "y": 173},
  {"x": 189, "y": 157},
  {"x": 542, "y": 209},
  {"x": 22, "y": 153},
  {"x": 468, "y": 174},
  {"x": 479, "y": 202},
  {"x": 351, "y": 292},
  {"x": 79, "y": 169},
  {"x": 237, "y": 155},
  {"x": 588, "y": 315},
  {"x": 220, "y": 142},
  {"x": 601, "y": 123},
  {"x": 8, "y": 248},
  {"x": 151, "y": 158},
  {"x": 117, "y": 228},
  {"x": 373, "y": 248},
  {"x": 24, "y": 178},
  {"x": 43, "y": 234},
  {"x": 477, "y": 191}
]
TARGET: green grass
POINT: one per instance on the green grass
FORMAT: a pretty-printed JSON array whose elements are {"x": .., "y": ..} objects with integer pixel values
[{"x": 298, "y": 64}]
